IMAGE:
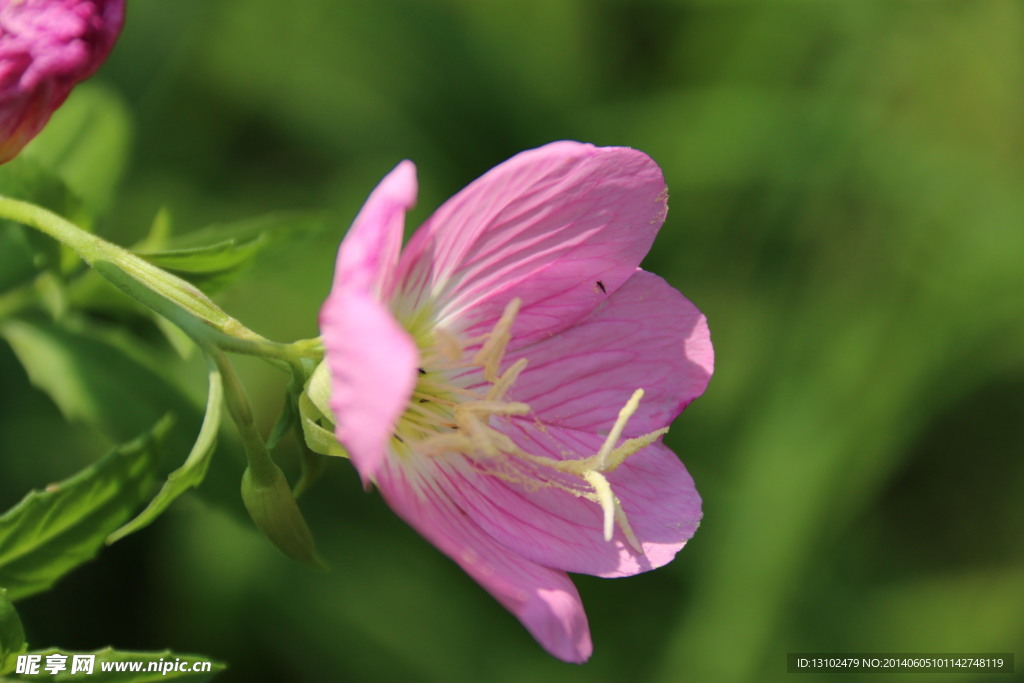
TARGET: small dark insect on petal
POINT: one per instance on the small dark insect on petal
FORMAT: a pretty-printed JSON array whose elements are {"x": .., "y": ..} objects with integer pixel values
[
  {"x": 601, "y": 285},
  {"x": 422, "y": 371}
]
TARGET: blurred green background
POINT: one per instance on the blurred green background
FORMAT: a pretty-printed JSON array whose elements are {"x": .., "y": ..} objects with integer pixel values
[{"x": 847, "y": 208}]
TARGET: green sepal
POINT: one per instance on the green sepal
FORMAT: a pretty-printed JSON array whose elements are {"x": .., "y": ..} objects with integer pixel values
[
  {"x": 12, "y": 634},
  {"x": 272, "y": 507},
  {"x": 110, "y": 655},
  {"x": 50, "y": 532},
  {"x": 318, "y": 439},
  {"x": 193, "y": 471},
  {"x": 315, "y": 413}
]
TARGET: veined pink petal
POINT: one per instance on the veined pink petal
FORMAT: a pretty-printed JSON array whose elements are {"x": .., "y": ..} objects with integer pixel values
[
  {"x": 369, "y": 253},
  {"x": 373, "y": 370},
  {"x": 544, "y": 600},
  {"x": 562, "y": 228},
  {"x": 545, "y": 226},
  {"x": 561, "y": 530},
  {"x": 646, "y": 335},
  {"x": 371, "y": 358}
]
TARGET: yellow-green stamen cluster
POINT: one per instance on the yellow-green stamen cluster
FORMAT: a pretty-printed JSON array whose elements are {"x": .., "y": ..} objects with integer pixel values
[{"x": 453, "y": 414}]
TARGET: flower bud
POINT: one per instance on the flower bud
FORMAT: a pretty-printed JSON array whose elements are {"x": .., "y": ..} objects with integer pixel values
[
  {"x": 46, "y": 48},
  {"x": 273, "y": 509}
]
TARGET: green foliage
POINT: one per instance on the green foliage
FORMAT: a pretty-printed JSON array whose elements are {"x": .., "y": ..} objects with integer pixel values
[
  {"x": 214, "y": 256},
  {"x": 86, "y": 144},
  {"x": 127, "y": 659},
  {"x": 12, "y": 634},
  {"x": 193, "y": 470},
  {"x": 24, "y": 253},
  {"x": 52, "y": 531},
  {"x": 75, "y": 363}
]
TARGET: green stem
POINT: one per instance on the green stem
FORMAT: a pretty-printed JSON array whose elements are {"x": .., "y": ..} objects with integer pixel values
[
  {"x": 88, "y": 246},
  {"x": 172, "y": 297},
  {"x": 237, "y": 401},
  {"x": 265, "y": 491}
]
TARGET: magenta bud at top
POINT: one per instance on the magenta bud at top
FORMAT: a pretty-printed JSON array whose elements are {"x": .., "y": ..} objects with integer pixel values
[{"x": 46, "y": 48}]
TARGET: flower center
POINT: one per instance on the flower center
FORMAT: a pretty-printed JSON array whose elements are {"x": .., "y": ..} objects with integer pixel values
[
  {"x": 451, "y": 407},
  {"x": 460, "y": 399}
]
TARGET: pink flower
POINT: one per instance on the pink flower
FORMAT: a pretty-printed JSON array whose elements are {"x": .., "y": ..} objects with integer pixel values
[
  {"x": 485, "y": 379},
  {"x": 46, "y": 48}
]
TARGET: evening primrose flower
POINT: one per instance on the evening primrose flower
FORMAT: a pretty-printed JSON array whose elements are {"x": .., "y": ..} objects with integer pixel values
[
  {"x": 506, "y": 379},
  {"x": 46, "y": 48}
]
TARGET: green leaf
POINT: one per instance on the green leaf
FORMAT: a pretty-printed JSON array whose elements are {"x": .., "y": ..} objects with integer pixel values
[
  {"x": 277, "y": 225},
  {"x": 193, "y": 471},
  {"x": 12, "y": 634},
  {"x": 51, "y": 532},
  {"x": 118, "y": 666},
  {"x": 213, "y": 257},
  {"x": 159, "y": 232},
  {"x": 86, "y": 143},
  {"x": 75, "y": 364}
]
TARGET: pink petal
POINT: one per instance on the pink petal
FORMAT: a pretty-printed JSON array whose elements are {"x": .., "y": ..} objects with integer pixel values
[
  {"x": 544, "y": 226},
  {"x": 544, "y": 600},
  {"x": 373, "y": 371},
  {"x": 371, "y": 358},
  {"x": 369, "y": 252},
  {"x": 561, "y": 530},
  {"x": 646, "y": 335}
]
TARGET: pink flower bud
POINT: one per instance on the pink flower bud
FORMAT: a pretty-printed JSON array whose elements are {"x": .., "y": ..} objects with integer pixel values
[{"x": 46, "y": 47}]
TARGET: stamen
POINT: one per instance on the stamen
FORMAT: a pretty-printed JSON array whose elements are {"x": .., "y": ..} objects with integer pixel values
[
  {"x": 490, "y": 354},
  {"x": 479, "y": 433},
  {"x": 495, "y": 408},
  {"x": 505, "y": 382},
  {"x": 448, "y": 345},
  {"x": 446, "y": 419},
  {"x": 436, "y": 444}
]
